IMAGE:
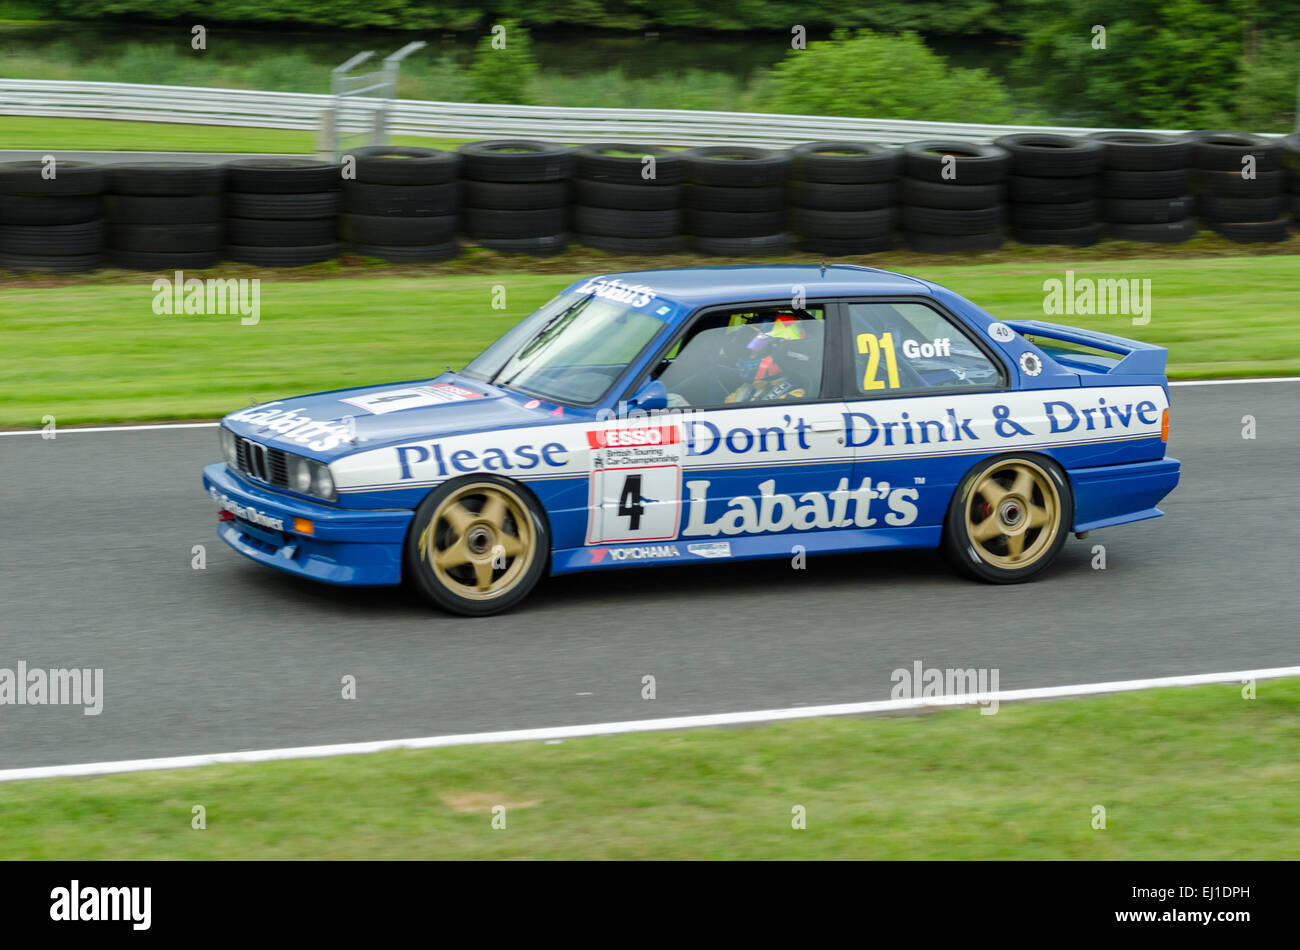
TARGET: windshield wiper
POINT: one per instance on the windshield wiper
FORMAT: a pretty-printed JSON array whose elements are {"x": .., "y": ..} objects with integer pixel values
[{"x": 542, "y": 332}]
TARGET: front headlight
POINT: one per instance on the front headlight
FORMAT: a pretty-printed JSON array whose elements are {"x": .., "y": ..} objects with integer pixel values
[
  {"x": 300, "y": 473},
  {"x": 322, "y": 482},
  {"x": 227, "y": 439}
]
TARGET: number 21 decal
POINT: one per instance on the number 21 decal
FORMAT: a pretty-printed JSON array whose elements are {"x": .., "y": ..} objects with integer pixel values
[{"x": 872, "y": 346}]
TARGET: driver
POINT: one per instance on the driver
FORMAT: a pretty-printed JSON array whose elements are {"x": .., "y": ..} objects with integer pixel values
[{"x": 758, "y": 364}]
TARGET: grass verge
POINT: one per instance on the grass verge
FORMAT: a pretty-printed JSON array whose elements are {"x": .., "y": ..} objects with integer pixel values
[
  {"x": 1183, "y": 774},
  {"x": 96, "y": 352}
]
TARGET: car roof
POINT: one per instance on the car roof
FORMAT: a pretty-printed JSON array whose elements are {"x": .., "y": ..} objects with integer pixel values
[{"x": 699, "y": 286}]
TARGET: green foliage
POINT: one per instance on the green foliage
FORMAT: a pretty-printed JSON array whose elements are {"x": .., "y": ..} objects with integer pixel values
[
  {"x": 889, "y": 77},
  {"x": 504, "y": 68}
]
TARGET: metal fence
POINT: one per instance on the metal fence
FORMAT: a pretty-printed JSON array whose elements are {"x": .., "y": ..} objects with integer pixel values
[{"x": 286, "y": 110}]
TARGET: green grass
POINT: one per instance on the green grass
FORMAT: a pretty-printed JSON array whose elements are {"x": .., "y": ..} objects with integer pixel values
[
  {"x": 1183, "y": 774},
  {"x": 96, "y": 352}
]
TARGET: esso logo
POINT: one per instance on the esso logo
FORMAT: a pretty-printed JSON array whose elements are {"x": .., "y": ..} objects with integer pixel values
[{"x": 640, "y": 436}]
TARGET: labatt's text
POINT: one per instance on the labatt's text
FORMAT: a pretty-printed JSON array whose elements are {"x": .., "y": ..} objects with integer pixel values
[{"x": 775, "y": 511}]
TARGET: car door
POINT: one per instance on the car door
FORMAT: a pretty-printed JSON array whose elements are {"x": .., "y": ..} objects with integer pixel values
[
  {"x": 752, "y": 442},
  {"x": 917, "y": 383}
]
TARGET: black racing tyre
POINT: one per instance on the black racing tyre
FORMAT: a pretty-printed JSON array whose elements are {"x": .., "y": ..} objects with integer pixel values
[
  {"x": 758, "y": 246},
  {"x": 514, "y": 196},
  {"x": 544, "y": 246},
  {"x": 480, "y": 223},
  {"x": 841, "y": 247},
  {"x": 387, "y": 230},
  {"x": 1252, "y": 232},
  {"x": 360, "y": 198},
  {"x": 1077, "y": 214},
  {"x": 51, "y": 209},
  {"x": 477, "y": 545},
  {"x": 1232, "y": 185},
  {"x": 811, "y": 222},
  {"x": 164, "y": 260},
  {"x": 282, "y": 256},
  {"x": 954, "y": 243},
  {"x": 1008, "y": 518},
  {"x": 845, "y": 162},
  {"x": 163, "y": 209},
  {"x": 1147, "y": 210},
  {"x": 642, "y": 197},
  {"x": 930, "y": 194},
  {"x": 1169, "y": 183},
  {"x": 166, "y": 179},
  {"x": 724, "y": 198},
  {"x": 1291, "y": 156},
  {"x": 736, "y": 165},
  {"x": 603, "y": 162},
  {"x": 1144, "y": 151},
  {"x": 1080, "y": 236},
  {"x": 734, "y": 224},
  {"x": 53, "y": 240},
  {"x": 674, "y": 244},
  {"x": 1047, "y": 155},
  {"x": 402, "y": 165},
  {"x": 262, "y": 232},
  {"x": 1227, "y": 151},
  {"x": 516, "y": 160},
  {"x": 409, "y": 253},
  {"x": 945, "y": 221},
  {"x": 180, "y": 238},
  {"x": 57, "y": 264},
  {"x": 616, "y": 222},
  {"x": 321, "y": 204},
  {"x": 1169, "y": 232},
  {"x": 960, "y": 163},
  {"x": 281, "y": 176},
  {"x": 69, "y": 178},
  {"x": 1023, "y": 189},
  {"x": 833, "y": 197},
  {"x": 1212, "y": 208}
]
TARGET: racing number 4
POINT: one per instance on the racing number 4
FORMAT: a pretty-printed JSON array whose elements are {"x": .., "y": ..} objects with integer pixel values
[
  {"x": 630, "y": 505},
  {"x": 872, "y": 345}
]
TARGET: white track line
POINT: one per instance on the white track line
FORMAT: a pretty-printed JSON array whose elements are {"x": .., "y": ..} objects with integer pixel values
[
  {"x": 635, "y": 725},
  {"x": 1236, "y": 382}
]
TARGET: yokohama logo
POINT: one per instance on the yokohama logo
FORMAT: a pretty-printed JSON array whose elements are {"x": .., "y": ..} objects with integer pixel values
[
  {"x": 634, "y": 554},
  {"x": 641, "y": 435}
]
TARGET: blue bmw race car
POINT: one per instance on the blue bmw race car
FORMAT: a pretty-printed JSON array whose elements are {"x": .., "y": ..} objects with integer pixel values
[{"x": 669, "y": 416}]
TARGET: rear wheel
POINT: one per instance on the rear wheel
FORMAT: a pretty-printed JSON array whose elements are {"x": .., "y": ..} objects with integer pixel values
[
  {"x": 1008, "y": 519},
  {"x": 477, "y": 545}
]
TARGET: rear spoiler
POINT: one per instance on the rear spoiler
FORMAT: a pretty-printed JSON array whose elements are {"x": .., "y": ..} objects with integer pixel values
[{"x": 1132, "y": 358}]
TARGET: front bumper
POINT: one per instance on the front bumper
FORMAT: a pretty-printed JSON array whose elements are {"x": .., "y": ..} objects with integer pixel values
[{"x": 345, "y": 546}]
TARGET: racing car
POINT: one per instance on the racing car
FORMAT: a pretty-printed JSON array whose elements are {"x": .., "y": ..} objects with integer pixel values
[{"x": 708, "y": 414}]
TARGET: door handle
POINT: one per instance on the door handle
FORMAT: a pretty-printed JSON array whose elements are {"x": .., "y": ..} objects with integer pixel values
[{"x": 827, "y": 426}]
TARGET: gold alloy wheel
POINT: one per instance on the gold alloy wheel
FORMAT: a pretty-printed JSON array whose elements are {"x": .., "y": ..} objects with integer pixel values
[
  {"x": 1013, "y": 514},
  {"x": 480, "y": 541}
]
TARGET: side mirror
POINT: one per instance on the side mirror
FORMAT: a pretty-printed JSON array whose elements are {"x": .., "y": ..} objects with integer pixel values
[{"x": 650, "y": 396}]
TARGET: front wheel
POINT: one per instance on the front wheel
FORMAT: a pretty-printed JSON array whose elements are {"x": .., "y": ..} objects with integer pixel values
[
  {"x": 1008, "y": 519},
  {"x": 477, "y": 545}
]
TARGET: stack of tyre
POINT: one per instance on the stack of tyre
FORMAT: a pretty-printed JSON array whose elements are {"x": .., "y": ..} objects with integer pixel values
[
  {"x": 953, "y": 196},
  {"x": 1291, "y": 158},
  {"x": 400, "y": 203},
  {"x": 281, "y": 212},
  {"x": 164, "y": 216},
  {"x": 51, "y": 216},
  {"x": 516, "y": 195},
  {"x": 1052, "y": 188},
  {"x": 735, "y": 204},
  {"x": 1240, "y": 185},
  {"x": 842, "y": 196},
  {"x": 628, "y": 198},
  {"x": 1144, "y": 187}
]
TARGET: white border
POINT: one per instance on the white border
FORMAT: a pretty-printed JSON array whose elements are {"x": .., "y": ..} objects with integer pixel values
[{"x": 552, "y": 733}]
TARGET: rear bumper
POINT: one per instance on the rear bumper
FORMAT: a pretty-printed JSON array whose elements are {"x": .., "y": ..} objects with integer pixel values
[
  {"x": 1117, "y": 494},
  {"x": 345, "y": 546}
]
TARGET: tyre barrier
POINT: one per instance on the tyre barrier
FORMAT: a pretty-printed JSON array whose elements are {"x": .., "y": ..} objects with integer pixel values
[
  {"x": 1144, "y": 189},
  {"x": 842, "y": 197},
  {"x": 1240, "y": 185},
  {"x": 277, "y": 214},
  {"x": 1291, "y": 160},
  {"x": 400, "y": 204},
  {"x": 627, "y": 199},
  {"x": 1052, "y": 188},
  {"x": 51, "y": 219},
  {"x": 953, "y": 196},
  {"x": 735, "y": 200},
  {"x": 165, "y": 215},
  {"x": 517, "y": 195}
]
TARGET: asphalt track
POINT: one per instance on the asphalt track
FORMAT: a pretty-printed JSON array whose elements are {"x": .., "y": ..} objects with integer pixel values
[{"x": 97, "y": 529}]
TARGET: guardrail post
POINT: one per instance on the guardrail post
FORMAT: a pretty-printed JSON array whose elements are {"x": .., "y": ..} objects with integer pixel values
[
  {"x": 392, "y": 63},
  {"x": 338, "y": 89}
]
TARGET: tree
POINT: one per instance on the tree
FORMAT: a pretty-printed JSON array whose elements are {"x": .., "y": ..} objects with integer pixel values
[{"x": 503, "y": 67}]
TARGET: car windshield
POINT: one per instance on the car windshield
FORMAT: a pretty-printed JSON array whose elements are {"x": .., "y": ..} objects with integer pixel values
[{"x": 570, "y": 351}]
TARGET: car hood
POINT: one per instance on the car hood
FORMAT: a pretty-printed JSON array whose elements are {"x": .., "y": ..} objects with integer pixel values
[{"x": 330, "y": 425}]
